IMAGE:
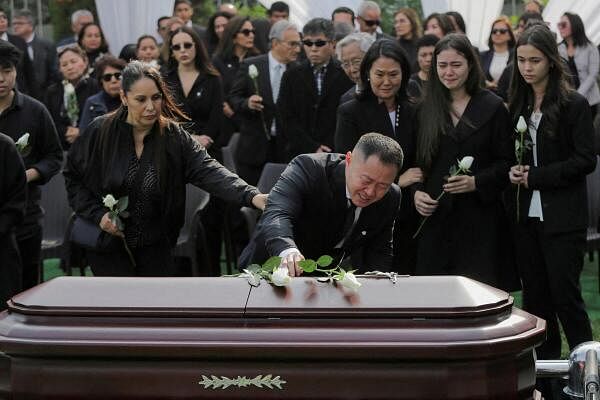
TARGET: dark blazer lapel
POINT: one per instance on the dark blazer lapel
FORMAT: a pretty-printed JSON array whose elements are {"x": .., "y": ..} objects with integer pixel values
[
  {"x": 308, "y": 78},
  {"x": 480, "y": 109},
  {"x": 331, "y": 76}
]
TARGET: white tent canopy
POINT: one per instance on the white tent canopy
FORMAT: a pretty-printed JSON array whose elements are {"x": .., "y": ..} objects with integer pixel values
[
  {"x": 124, "y": 21},
  {"x": 301, "y": 11}
]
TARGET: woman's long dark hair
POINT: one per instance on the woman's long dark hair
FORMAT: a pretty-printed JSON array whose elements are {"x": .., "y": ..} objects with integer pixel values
[
  {"x": 201, "y": 60},
  {"x": 211, "y": 36},
  {"x": 436, "y": 106},
  {"x": 443, "y": 21},
  {"x": 226, "y": 47},
  {"x": 521, "y": 98},
  {"x": 390, "y": 49},
  {"x": 577, "y": 29}
]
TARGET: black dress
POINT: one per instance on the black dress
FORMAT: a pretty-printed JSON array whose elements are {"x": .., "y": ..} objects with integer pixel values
[{"x": 468, "y": 233}]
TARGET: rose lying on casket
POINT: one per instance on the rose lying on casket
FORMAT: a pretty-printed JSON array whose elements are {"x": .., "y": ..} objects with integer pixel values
[
  {"x": 280, "y": 277},
  {"x": 348, "y": 280}
]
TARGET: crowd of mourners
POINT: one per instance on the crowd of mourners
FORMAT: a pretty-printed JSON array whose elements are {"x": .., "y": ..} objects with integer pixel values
[{"x": 142, "y": 125}]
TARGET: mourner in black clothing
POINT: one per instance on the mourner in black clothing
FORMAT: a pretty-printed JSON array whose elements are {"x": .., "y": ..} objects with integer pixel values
[
  {"x": 465, "y": 232},
  {"x": 439, "y": 25},
  {"x": 407, "y": 26},
  {"x": 550, "y": 235},
  {"x": 22, "y": 117},
  {"x": 350, "y": 52},
  {"x": 495, "y": 60},
  {"x": 67, "y": 110},
  {"x": 310, "y": 92},
  {"x": 195, "y": 86},
  {"x": 341, "y": 205},
  {"x": 13, "y": 199},
  {"x": 425, "y": 47},
  {"x": 236, "y": 44},
  {"x": 261, "y": 138},
  {"x": 383, "y": 107},
  {"x": 91, "y": 39},
  {"x": 214, "y": 31},
  {"x": 141, "y": 153}
]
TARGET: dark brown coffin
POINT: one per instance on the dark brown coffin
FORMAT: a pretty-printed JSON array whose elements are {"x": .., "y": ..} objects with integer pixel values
[{"x": 219, "y": 338}]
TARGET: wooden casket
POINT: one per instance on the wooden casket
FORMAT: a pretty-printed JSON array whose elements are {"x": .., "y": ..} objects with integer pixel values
[{"x": 220, "y": 338}]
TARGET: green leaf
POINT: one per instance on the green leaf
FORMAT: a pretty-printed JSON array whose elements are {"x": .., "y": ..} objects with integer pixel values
[
  {"x": 453, "y": 170},
  {"x": 325, "y": 261},
  {"x": 254, "y": 268},
  {"x": 272, "y": 263},
  {"x": 124, "y": 214},
  {"x": 308, "y": 265},
  {"x": 122, "y": 204}
]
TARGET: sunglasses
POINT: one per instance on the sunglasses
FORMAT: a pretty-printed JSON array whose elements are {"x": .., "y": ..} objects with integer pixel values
[
  {"x": 562, "y": 25},
  {"x": 371, "y": 23},
  {"x": 247, "y": 32},
  {"x": 108, "y": 77},
  {"x": 499, "y": 31},
  {"x": 187, "y": 46},
  {"x": 318, "y": 43}
]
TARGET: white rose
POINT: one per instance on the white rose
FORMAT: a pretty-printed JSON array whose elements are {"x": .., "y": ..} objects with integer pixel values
[
  {"x": 69, "y": 88},
  {"x": 349, "y": 281},
  {"x": 109, "y": 201},
  {"x": 521, "y": 125},
  {"x": 252, "y": 71},
  {"x": 280, "y": 277},
  {"x": 465, "y": 163},
  {"x": 23, "y": 141}
]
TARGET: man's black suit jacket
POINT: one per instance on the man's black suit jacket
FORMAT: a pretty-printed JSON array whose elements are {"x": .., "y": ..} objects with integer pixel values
[
  {"x": 45, "y": 63},
  {"x": 26, "y": 80},
  {"x": 307, "y": 209},
  {"x": 252, "y": 147},
  {"x": 308, "y": 120}
]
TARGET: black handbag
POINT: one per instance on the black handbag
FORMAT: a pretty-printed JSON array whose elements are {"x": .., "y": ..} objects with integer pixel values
[{"x": 88, "y": 235}]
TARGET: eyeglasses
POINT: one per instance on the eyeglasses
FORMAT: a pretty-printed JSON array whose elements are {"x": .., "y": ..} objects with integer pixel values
[
  {"x": 562, "y": 25},
  {"x": 371, "y": 23},
  {"x": 499, "y": 31},
  {"x": 292, "y": 43},
  {"x": 247, "y": 32},
  {"x": 108, "y": 77},
  {"x": 318, "y": 43},
  {"x": 352, "y": 63},
  {"x": 186, "y": 45}
]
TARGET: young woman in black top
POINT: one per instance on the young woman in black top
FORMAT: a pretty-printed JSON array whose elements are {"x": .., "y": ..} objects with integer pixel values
[
  {"x": 550, "y": 235},
  {"x": 195, "y": 85},
  {"x": 141, "y": 152}
]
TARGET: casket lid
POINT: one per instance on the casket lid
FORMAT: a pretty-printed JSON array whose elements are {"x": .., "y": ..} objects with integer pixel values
[{"x": 409, "y": 297}]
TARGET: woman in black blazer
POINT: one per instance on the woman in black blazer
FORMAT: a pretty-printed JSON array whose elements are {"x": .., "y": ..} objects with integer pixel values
[
  {"x": 494, "y": 61},
  {"x": 383, "y": 107},
  {"x": 550, "y": 235}
]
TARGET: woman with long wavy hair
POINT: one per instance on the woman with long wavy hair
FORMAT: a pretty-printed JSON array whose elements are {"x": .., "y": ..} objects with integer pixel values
[{"x": 550, "y": 183}]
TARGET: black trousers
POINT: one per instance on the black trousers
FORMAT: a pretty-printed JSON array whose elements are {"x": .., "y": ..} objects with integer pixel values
[
  {"x": 550, "y": 265},
  {"x": 10, "y": 271},
  {"x": 150, "y": 261},
  {"x": 29, "y": 239}
]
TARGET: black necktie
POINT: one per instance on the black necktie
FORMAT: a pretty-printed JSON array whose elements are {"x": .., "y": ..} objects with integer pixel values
[{"x": 349, "y": 221}]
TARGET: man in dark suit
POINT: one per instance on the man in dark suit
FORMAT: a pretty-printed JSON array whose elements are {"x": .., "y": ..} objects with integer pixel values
[
  {"x": 260, "y": 140},
  {"x": 310, "y": 92},
  {"x": 369, "y": 20},
  {"x": 26, "y": 82},
  {"x": 341, "y": 205},
  {"x": 40, "y": 51}
]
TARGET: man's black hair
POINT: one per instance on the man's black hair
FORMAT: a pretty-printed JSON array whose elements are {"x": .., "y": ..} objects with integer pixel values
[{"x": 9, "y": 55}]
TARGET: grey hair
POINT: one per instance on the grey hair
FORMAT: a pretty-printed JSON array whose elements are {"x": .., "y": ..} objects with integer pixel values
[
  {"x": 363, "y": 39},
  {"x": 25, "y": 13},
  {"x": 279, "y": 28},
  {"x": 80, "y": 13},
  {"x": 367, "y": 5}
]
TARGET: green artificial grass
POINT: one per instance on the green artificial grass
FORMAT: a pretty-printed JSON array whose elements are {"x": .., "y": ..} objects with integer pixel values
[{"x": 589, "y": 288}]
